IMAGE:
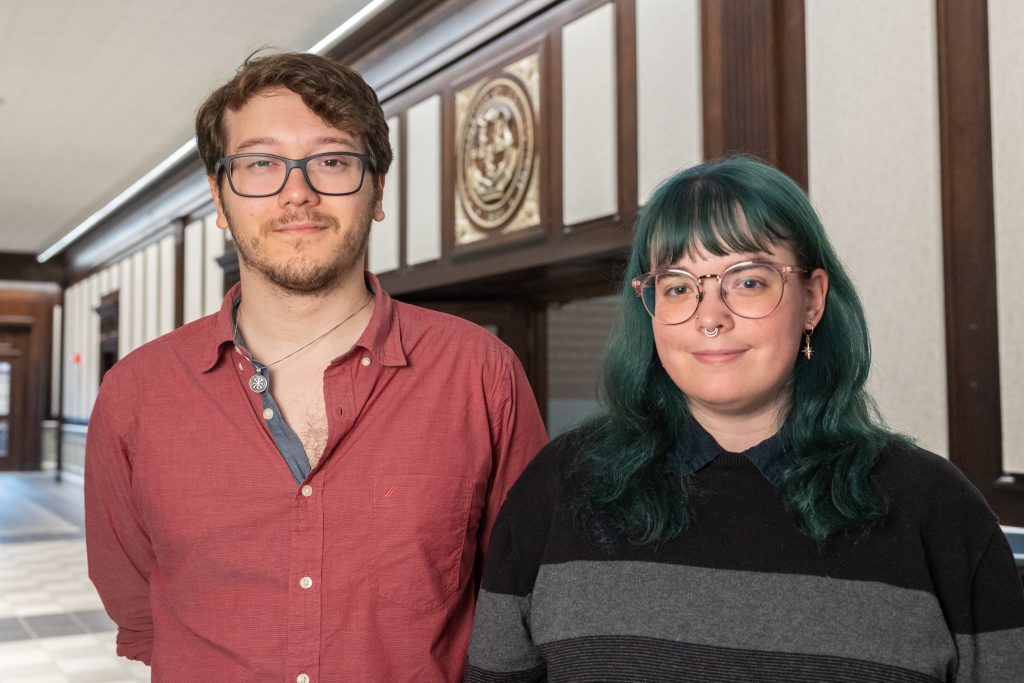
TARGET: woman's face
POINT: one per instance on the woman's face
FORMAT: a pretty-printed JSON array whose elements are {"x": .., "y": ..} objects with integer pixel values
[{"x": 740, "y": 372}]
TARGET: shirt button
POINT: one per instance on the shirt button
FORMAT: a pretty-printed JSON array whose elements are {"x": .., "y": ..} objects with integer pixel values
[
  {"x": 302, "y": 678},
  {"x": 268, "y": 414},
  {"x": 240, "y": 368},
  {"x": 307, "y": 490},
  {"x": 365, "y": 361},
  {"x": 306, "y": 583}
]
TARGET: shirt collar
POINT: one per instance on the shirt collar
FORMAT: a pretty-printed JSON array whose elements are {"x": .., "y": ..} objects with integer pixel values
[
  {"x": 382, "y": 337},
  {"x": 696, "y": 448}
]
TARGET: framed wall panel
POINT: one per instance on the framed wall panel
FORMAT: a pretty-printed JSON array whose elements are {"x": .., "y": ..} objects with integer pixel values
[
  {"x": 138, "y": 310},
  {"x": 589, "y": 125},
  {"x": 385, "y": 236},
  {"x": 423, "y": 193},
  {"x": 874, "y": 172},
  {"x": 125, "y": 307},
  {"x": 669, "y": 104},
  {"x": 167, "y": 285},
  {"x": 1006, "y": 60},
  {"x": 213, "y": 275},
  {"x": 195, "y": 271},
  {"x": 151, "y": 325}
]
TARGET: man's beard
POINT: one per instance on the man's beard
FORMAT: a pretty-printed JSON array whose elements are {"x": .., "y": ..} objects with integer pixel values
[{"x": 297, "y": 275}]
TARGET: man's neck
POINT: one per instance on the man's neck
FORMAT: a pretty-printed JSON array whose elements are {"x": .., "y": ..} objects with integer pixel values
[{"x": 273, "y": 321}]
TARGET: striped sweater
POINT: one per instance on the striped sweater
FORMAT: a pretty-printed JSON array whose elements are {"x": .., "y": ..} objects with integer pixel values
[{"x": 742, "y": 595}]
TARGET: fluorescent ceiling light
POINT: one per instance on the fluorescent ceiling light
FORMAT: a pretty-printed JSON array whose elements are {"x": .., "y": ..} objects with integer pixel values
[{"x": 325, "y": 44}]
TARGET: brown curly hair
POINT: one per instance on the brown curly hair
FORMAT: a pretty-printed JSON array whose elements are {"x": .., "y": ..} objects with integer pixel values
[{"x": 332, "y": 91}]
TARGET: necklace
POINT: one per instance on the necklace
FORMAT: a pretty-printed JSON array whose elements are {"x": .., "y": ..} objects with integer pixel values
[{"x": 258, "y": 383}]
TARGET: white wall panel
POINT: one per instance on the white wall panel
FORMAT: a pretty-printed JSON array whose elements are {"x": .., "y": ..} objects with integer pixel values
[
  {"x": 213, "y": 274},
  {"x": 194, "y": 271},
  {"x": 56, "y": 356},
  {"x": 668, "y": 84},
  {"x": 1006, "y": 79},
  {"x": 589, "y": 130},
  {"x": 124, "y": 308},
  {"x": 873, "y": 138},
  {"x": 70, "y": 348},
  {"x": 139, "y": 302},
  {"x": 91, "y": 359},
  {"x": 384, "y": 236},
  {"x": 423, "y": 213},
  {"x": 166, "y": 286},
  {"x": 151, "y": 257}
]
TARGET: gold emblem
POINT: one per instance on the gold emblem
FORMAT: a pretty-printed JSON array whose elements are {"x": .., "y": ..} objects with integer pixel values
[{"x": 497, "y": 157}]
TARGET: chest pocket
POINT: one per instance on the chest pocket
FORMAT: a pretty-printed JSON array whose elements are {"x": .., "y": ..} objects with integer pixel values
[{"x": 420, "y": 531}]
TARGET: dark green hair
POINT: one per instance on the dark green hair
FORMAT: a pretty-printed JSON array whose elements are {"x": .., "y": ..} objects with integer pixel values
[{"x": 832, "y": 435}]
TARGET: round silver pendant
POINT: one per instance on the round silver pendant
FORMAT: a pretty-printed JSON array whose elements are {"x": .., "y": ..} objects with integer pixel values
[{"x": 258, "y": 383}]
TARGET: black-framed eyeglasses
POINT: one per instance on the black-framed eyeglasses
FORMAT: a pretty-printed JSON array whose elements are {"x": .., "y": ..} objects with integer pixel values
[
  {"x": 264, "y": 175},
  {"x": 751, "y": 289}
]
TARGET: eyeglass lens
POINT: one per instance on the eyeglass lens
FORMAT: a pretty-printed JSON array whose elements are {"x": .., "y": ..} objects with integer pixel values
[
  {"x": 752, "y": 291},
  {"x": 266, "y": 175}
]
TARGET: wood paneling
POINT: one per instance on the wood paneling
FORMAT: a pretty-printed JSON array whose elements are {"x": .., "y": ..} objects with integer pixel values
[
  {"x": 30, "y": 308},
  {"x": 755, "y": 81},
  {"x": 968, "y": 222}
]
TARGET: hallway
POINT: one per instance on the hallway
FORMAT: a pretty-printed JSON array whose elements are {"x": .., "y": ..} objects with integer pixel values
[{"x": 53, "y": 628}]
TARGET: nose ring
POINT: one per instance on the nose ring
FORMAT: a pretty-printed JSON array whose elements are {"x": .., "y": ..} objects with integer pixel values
[{"x": 712, "y": 332}]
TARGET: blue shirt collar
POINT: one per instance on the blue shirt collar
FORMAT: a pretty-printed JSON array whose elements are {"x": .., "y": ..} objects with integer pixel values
[{"x": 695, "y": 448}]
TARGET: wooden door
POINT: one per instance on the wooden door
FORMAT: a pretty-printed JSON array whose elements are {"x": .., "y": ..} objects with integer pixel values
[{"x": 14, "y": 399}]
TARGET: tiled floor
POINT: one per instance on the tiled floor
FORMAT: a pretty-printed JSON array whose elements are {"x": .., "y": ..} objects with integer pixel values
[{"x": 52, "y": 626}]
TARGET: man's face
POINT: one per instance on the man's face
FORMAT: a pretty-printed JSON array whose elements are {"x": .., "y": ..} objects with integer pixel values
[{"x": 298, "y": 240}]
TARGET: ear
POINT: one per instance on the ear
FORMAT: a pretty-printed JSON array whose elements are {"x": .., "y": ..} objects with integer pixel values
[
  {"x": 222, "y": 219},
  {"x": 815, "y": 294},
  {"x": 378, "y": 198}
]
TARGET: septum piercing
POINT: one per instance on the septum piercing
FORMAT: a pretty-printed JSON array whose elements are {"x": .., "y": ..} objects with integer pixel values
[{"x": 713, "y": 333}]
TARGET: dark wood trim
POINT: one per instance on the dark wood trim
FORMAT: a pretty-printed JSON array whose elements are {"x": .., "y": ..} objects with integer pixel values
[
  {"x": 968, "y": 230},
  {"x": 18, "y": 266},
  {"x": 179, "y": 273},
  {"x": 754, "y": 81},
  {"x": 626, "y": 109},
  {"x": 791, "y": 81}
]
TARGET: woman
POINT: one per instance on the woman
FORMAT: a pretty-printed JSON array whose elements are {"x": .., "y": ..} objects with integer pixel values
[{"x": 739, "y": 511}]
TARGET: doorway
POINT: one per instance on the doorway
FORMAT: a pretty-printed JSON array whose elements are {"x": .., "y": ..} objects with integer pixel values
[{"x": 14, "y": 347}]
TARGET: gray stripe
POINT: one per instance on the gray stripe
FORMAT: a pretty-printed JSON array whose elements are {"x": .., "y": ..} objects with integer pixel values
[
  {"x": 992, "y": 656},
  {"x": 501, "y": 634},
  {"x": 801, "y": 614}
]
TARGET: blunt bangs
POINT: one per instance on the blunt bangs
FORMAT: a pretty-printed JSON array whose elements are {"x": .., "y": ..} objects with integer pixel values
[{"x": 706, "y": 213}]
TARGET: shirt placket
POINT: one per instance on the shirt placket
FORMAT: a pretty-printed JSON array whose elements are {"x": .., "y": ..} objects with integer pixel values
[{"x": 305, "y": 582}]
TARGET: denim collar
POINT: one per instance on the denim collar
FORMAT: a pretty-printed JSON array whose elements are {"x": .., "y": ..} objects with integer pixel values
[{"x": 695, "y": 449}]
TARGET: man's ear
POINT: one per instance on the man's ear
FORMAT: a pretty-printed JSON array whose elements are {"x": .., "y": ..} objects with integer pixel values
[
  {"x": 378, "y": 198},
  {"x": 222, "y": 219}
]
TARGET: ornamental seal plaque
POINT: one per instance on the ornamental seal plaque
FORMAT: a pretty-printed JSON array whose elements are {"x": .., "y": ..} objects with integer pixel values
[{"x": 497, "y": 157}]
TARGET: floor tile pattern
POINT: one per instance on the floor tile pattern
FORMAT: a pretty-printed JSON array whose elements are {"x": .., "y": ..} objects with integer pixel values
[{"x": 53, "y": 628}]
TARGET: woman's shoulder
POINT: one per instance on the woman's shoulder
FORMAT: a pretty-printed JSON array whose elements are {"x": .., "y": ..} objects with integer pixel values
[
  {"x": 924, "y": 483},
  {"x": 545, "y": 475}
]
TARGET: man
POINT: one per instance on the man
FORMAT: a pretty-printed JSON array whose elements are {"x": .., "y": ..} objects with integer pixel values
[{"x": 301, "y": 486}]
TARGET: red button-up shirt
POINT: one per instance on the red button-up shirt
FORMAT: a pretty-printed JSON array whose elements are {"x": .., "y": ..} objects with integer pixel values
[{"x": 216, "y": 566}]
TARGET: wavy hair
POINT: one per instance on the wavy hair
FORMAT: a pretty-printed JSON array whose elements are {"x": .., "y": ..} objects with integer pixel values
[{"x": 832, "y": 434}]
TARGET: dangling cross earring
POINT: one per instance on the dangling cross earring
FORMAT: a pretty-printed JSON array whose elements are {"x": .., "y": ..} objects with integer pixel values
[{"x": 807, "y": 340}]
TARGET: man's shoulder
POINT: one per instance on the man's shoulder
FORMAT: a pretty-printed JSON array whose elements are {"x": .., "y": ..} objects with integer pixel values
[
  {"x": 419, "y": 324},
  {"x": 187, "y": 344}
]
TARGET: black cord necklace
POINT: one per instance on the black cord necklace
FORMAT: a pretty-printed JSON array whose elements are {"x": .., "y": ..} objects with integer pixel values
[{"x": 258, "y": 383}]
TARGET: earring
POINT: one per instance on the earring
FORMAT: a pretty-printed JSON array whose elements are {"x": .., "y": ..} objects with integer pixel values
[{"x": 807, "y": 344}]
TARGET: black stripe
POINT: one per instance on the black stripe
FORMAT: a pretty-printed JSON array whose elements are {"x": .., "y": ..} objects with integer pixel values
[
  {"x": 627, "y": 659},
  {"x": 475, "y": 675}
]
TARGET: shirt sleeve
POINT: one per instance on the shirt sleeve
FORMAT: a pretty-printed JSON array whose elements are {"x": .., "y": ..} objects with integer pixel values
[
  {"x": 991, "y": 647},
  {"x": 517, "y": 434},
  {"x": 119, "y": 551}
]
